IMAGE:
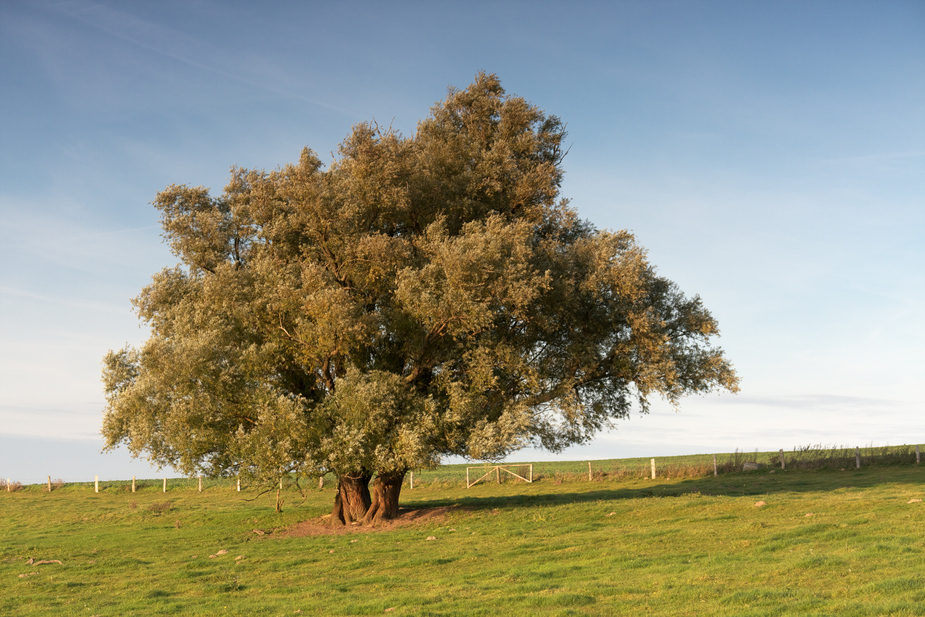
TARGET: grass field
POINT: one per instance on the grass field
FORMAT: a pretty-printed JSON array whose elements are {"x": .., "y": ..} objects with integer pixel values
[{"x": 827, "y": 542}]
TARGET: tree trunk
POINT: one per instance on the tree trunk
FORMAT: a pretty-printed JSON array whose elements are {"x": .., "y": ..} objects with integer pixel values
[
  {"x": 386, "y": 491},
  {"x": 352, "y": 500}
]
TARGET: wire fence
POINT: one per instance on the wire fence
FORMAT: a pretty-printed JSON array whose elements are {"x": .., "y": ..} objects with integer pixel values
[{"x": 815, "y": 457}]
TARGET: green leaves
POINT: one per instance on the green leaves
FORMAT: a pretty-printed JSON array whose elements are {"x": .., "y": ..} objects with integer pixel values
[
  {"x": 422, "y": 296},
  {"x": 374, "y": 421}
]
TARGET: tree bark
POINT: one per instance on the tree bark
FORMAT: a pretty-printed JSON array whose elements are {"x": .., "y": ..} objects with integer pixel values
[
  {"x": 352, "y": 500},
  {"x": 386, "y": 491}
]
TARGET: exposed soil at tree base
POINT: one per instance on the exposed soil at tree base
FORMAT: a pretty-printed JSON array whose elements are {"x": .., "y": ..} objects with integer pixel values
[{"x": 407, "y": 517}]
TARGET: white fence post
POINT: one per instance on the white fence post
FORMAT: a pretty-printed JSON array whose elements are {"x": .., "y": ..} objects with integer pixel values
[
  {"x": 165, "y": 485},
  {"x": 96, "y": 485},
  {"x": 133, "y": 484},
  {"x": 653, "y": 469}
]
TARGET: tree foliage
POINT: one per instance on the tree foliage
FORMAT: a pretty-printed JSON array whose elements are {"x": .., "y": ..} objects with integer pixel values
[{"x": 421, "y": 296}]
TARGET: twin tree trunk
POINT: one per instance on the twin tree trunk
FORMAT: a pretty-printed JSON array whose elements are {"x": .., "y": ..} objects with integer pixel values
[
  {"x": 386, "y": 491},
  {"x": 353, "y": 503},
  {"x": 352, "y": 500}
]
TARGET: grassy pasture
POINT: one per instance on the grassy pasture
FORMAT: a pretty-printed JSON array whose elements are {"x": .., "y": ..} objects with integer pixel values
[{"x": 827, "y": 542}]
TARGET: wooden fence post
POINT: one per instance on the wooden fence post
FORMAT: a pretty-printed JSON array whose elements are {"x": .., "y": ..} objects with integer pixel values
[
  {"x": 96, "y": 485},
  {"x": 590, "y": 476},
  {"x": 918, "y": 455},
  {"x": 857, "y": 457},
  {"x": 783, "y": 465},
  {"x": 411, "y": 482},
  {"x": 498, "y": 474},
  {"x": 165, "y": 485},
  {"x": 321, "y": 482},
  {"x": 200, "y": 483},
  {"x": 239, "y": 485},
  {"x": 653, "y": 469},
  {"x": 133, "y": 484},
  {"x": 49, "y": 484}
]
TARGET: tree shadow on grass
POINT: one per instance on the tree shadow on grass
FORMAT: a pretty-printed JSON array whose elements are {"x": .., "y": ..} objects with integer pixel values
[{"x": 738, "y": 484}]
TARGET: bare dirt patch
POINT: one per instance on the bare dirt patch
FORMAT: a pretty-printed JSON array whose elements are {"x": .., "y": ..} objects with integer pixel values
[{"x": 407, "y": 517}]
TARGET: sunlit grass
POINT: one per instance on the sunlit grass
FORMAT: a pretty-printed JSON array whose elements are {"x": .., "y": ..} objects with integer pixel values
[{"x": 826, "y": 543}]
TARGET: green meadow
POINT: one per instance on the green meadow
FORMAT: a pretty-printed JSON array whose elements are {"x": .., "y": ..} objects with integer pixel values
[{"x": 828, "y": 540}]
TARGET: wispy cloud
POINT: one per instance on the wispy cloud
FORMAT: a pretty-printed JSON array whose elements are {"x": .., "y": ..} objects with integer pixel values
[
  {"x": 74, "y": 422},
  {"x": 808, "y": 402},
  {"x": 43, "y": 242},
  {"x": 69, "y": 302},
  {"x": 192, "y": 51},
  {"x": 876, "y": 156},
  {"x": 79, "y": 238}
]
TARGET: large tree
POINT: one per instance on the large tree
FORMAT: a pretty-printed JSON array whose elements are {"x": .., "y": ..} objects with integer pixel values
[{"x": 421, "y": 296}]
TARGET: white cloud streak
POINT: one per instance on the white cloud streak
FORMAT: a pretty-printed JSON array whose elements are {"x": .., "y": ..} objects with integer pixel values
[{"x": 194, "y": 52}]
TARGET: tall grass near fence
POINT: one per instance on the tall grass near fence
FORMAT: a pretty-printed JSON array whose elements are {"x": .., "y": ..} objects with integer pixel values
[
  {"x": 810, "y": 457},
  {"x": 819, "y": 456}
]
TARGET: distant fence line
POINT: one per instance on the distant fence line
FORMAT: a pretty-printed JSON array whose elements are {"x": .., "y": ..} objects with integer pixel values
[{"x": 810, "y": 457}]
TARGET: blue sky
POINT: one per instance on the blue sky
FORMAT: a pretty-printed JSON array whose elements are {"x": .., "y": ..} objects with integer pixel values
[{"x": 770, "y": 156}]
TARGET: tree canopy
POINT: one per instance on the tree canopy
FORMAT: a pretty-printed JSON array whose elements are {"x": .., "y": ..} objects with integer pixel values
[{"x": 419, "y": 297}]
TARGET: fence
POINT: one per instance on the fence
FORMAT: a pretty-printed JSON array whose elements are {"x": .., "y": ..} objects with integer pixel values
[
  {"x": 497, "y": 469},
  {"x": 808, "y": 457}
]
